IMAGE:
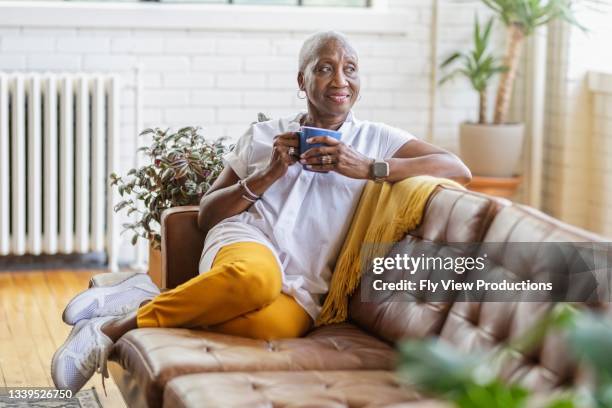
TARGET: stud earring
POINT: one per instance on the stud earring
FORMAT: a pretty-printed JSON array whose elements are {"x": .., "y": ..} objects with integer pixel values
[{"x": 299, "y": 95}]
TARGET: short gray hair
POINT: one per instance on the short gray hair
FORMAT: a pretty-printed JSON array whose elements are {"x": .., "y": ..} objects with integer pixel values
[{"x": 316, "y": 41}]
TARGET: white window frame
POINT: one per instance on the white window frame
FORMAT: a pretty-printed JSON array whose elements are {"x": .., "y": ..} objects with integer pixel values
[{"x": 377, "y": 17}]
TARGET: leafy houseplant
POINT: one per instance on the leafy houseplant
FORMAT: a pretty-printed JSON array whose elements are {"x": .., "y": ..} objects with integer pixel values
[
  {"x": 478, "y": 66},
  {"x": 182, "y": 166},
  {"x": 521, "y": 18},
  {"x": 494, "y": 149}
]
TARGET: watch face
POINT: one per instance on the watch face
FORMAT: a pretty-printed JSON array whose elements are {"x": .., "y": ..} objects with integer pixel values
[{"x": 381, "y": 169}]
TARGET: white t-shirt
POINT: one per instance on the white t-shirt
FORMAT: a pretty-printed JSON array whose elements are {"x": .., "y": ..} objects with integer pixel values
[{"x": 304, "y": 216}]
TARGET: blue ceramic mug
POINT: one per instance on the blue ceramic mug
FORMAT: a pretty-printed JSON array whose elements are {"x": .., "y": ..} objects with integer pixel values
[{"x": 307, "y": 132}]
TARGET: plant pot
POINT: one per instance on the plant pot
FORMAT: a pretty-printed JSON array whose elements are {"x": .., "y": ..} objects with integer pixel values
[
  {"x": 155, "y": 267},
  {"x": 491, "y": 150}
]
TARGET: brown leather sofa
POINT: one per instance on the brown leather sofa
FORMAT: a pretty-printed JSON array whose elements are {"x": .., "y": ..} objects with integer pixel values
[{"x": 351, "y": 364}]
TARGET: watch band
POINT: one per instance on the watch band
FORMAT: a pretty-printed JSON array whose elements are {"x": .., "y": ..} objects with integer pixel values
[{"x": 379, "y": 170}]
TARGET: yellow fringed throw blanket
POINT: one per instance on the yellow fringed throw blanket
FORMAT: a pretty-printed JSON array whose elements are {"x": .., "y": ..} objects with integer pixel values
[{"x": 384, "y": 214}]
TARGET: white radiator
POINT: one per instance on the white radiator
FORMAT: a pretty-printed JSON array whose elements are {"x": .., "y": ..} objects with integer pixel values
[{"x": 58, "y": 137}]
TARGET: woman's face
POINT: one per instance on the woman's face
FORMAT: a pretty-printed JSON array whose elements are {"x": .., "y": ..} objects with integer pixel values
[{"x": 331, "y": 80}]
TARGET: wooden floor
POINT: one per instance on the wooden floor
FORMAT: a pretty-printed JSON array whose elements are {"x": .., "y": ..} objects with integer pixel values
[{"x": 31, "y": 328}]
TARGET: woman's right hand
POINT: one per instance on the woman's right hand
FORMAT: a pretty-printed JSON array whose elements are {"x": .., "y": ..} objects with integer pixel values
[
  {"x": 280, "y": 159},
  {"x": 225, "y": 198}
]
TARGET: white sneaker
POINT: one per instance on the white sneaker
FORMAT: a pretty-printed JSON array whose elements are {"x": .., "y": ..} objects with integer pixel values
[
  {"x": 83, "y": 353},
  {"x": 116, "y": 300}
]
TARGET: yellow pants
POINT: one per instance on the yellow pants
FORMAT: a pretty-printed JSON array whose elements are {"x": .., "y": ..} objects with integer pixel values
[{"x": 240, "y": 295}]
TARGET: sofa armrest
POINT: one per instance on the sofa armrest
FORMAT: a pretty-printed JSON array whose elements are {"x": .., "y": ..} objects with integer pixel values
[{"x": 181, "y": 245}]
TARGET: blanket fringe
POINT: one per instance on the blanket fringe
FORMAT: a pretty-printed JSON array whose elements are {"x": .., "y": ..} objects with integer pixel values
[{"x": 398, "y": 209}]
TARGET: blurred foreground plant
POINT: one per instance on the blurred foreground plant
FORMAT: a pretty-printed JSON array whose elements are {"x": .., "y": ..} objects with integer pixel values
[
  {"x": 182, "y": 167},
  {"x": 473, "y": 381}
]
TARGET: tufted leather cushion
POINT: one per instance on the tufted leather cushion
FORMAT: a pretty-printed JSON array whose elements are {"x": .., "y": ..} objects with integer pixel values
[
  {"x": 327, "y": 389},
  {"x": 155, "y": 356},
  {"x": 477, "y": 327},
  {"x": 451, "y": 216},
  {"x": 458, "y": 216}
]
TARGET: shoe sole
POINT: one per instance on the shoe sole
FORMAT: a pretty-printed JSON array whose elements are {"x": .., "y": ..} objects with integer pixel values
[
  {"x": 125, "y": 284},
  {"x": 76, "y": 329}
]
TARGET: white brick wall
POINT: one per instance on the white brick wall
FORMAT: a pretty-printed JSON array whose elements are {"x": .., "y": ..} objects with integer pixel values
[{"x": 220, "y": 79}]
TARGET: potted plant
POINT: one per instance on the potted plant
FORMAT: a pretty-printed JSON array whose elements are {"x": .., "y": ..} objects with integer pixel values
[
  {"x": 479, "y": 66},
  {"x": 493, "y": 149},
  {"x": 181, "y": 167}
]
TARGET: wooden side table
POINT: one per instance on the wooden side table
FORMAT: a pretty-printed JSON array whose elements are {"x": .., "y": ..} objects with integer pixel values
[{"x": 495, "y": 186}]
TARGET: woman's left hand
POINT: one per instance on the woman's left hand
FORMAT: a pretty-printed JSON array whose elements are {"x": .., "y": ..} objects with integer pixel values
[{"x": 336, "y": 156}]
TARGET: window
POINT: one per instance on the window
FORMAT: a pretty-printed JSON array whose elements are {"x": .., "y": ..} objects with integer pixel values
[{"x": 319, "y": 3}]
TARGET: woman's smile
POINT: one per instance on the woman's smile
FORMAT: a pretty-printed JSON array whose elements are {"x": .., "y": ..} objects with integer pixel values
[{"x": 339, "y": 97}]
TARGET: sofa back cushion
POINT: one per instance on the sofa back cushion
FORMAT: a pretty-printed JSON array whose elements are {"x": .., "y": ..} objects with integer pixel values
[
  {"x": 450, "y": 216},
  {"x": 482, "y": 326}
]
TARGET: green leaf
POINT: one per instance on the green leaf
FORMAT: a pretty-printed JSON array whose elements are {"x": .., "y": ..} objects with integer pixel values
[
  {"x": 493, "y": 6},
  {"x": 591, "y": 339},
  {"x": 529, "y": 14},
  {"x": 487, "y": 32},
  {"x": 147, "y": 132},
  {"x": 435, "y": 367},
  {"x": 450, "y": 59},
  {"x": 449, "y": 77},
  {"x": 563, "y": 403},
  {"x": 167, "y": 175},
  {"x": 121, "y": 205}
]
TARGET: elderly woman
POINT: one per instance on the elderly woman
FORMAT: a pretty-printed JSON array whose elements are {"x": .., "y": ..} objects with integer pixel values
[{"x": 275, "y": 222}]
